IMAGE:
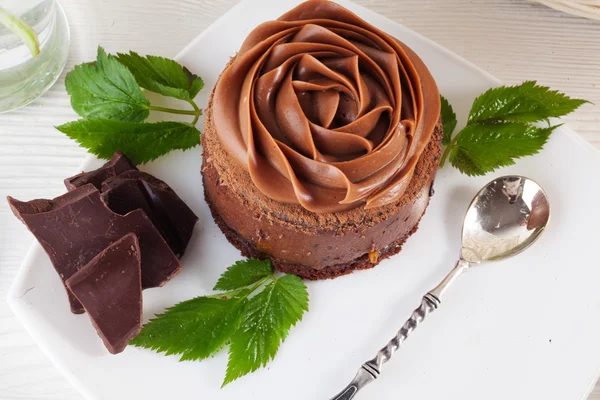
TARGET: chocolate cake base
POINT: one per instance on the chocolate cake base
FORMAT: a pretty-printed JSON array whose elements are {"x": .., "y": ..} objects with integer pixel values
[
  {"x": 248, "y": 249},
  {"x": 308, "y": 244}
]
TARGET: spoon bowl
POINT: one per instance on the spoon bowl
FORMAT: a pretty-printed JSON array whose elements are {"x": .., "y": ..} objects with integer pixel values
[{"x": 504, "y": 218}]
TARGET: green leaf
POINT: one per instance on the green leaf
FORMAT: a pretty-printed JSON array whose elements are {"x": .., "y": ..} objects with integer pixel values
[
  {"x": 268, "y": 319},
  {"x": 244, "y": 273},
  {"x": 527, "y": 102},
  {"x": 106, "y": 89},
  {"x": 482, "y": 148},
  {"x": 448, "y": 120},
  {"x": 195, "y": 329},
  {"x": 162, "y": 75},
  {"x": 197, "y": 83},
  {"x": 140, "y": 141}
]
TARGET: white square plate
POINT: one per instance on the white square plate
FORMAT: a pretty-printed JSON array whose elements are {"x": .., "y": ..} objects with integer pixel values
[{"x": 526, "y": 328}]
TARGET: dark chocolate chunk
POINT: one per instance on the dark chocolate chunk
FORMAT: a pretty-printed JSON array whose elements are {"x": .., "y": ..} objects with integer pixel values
[
  {"x": 118, "y": 164},
  {"x": 110, "y": 289},
  {"x": 77, "y": 226},
  {"x": 136, "y": 189}
]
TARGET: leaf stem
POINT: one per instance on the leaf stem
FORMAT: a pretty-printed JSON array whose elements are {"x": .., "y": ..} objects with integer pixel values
[
  {"x": 237, "y": 291},
  {"x": 448, "y": 149},
  {"x": 195, "y": 106},
  {"x": 225, "y": 294},
  {"x": 174, "y": 110},
  {"x": 197, "y": 109}
]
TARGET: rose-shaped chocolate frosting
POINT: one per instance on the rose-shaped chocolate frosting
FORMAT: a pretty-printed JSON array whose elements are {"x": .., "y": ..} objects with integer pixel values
[{"x": 326, "y": 111}]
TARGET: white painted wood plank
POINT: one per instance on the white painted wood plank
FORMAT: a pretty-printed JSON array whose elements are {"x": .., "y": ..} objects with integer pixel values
[{"x": 512, "y": 39}]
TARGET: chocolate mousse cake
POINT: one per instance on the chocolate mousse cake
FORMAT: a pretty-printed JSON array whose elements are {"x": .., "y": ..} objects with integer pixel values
[{"x": 322, "y": 139}]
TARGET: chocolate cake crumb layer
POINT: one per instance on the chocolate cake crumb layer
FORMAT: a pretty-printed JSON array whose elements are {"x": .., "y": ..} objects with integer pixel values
[
  {"x": 311, "y": 245},
  {"x": 248, "y": 249}
]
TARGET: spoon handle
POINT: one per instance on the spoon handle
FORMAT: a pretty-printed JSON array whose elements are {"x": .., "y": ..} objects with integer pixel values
[{"x": 371, "y": 370}]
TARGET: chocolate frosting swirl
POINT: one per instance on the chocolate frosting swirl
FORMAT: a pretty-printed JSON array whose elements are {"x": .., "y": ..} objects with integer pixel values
[{"x": 326, "y": 111}]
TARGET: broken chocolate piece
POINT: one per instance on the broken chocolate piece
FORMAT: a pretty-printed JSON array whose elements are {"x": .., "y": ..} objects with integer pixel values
[
  {"x": 110, "y": 289},
  {"x": 77, "y": 226},
  {"x": 136, "y": 189},
  {"x": 118, "y": 164}
]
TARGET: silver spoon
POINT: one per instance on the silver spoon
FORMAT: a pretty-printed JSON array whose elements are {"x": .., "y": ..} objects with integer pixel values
[{"x": 504, "y": 218}]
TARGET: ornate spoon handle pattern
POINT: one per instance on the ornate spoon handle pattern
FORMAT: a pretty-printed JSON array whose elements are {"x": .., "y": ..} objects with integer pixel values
[{"x": 371, "y": 370}]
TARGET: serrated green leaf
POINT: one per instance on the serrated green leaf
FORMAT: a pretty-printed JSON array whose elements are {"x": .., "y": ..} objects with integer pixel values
[
  {"x": 268, "y": 319},
  {"x": 527, "y": 102},
  {"x": 448, "y": 120},
  {"x": 197, "y": 83},
  {"x": 484, "y": 147},
  {"x": 244, "y": 273},
  {"x": 106, "y": 89},
  {"x": 162, "y": 75},
  {"x": 195, "y": 329},
  {"x": 140, "y": 141}
]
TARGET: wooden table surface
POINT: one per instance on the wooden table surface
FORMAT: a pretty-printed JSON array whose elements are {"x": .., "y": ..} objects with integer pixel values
[{"x": 514, "y": 40}]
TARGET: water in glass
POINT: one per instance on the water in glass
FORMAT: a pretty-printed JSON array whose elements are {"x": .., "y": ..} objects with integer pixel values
[{"x": 24, "y": 77}]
